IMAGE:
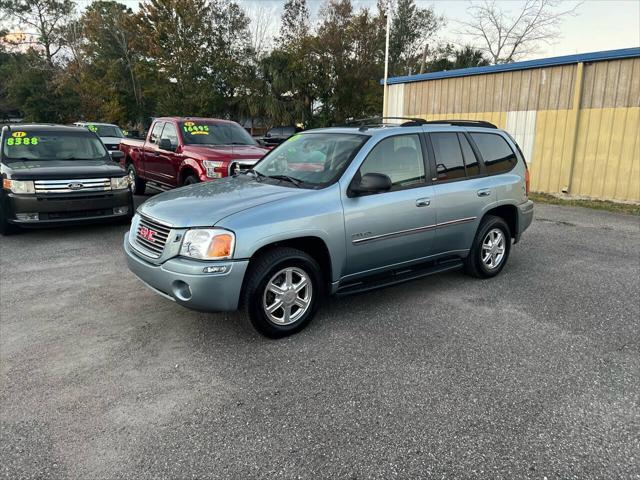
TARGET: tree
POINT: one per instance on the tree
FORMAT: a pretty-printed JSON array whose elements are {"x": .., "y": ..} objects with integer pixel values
[
  {"x": 175, "y": 40},
  {"x": 42, "y": 22},
  {"x": 294, "y": 22},
  {"x": 411, "y": 29},
  {"x": 507, "y": 36},
  {"x": 447, "y": 57}
]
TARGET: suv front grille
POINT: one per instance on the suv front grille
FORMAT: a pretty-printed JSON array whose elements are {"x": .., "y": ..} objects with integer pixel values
[
  {"x": 152, "y": 236},
  {"x": 74, "y": 185}
]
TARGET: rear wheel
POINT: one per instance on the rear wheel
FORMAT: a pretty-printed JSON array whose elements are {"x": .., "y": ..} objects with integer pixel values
[
  {"x": 190, "y": 180},
  {"x": 490, "y": 249},
  {"x": 137, "y": 184},
  {"x": 283, "y": 292}
]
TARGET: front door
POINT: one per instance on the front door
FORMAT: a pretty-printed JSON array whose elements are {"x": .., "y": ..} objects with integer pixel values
[{"x": 388, "y": 229}]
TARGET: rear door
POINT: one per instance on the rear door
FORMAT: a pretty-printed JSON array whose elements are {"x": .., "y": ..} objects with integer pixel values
[
  {"x": 387, "y": 229},
  {"x": 462, "y": 190},
  {"x": 167, "y": 161},
  {"x": 151, "y": 154}
]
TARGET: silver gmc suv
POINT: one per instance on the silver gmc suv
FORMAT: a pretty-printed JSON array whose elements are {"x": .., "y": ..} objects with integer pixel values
[{"x": 336, "y": 211}]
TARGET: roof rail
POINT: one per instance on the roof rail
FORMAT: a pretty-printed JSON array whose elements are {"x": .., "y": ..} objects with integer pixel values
[
  {"x": 462, "y": 123},
  {"x": 365, "y": 123}
]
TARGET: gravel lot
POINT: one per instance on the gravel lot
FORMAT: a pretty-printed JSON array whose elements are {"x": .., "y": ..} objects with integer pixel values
[{"x": 533, "y": 374}]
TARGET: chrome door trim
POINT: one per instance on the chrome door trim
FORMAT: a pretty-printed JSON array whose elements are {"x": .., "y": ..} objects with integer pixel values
[{"x": 373, "y": 238}]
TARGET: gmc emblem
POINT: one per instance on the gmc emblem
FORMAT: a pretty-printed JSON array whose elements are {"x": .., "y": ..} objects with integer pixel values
[{"x": 147, "y": 234}]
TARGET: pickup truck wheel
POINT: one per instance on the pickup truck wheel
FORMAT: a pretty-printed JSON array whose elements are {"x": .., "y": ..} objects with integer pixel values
[
  {"x": 490, "y": 249},
  {"x": 283, "y": 291},
  {"x": 137, "y": 184},
  {"x": 190, "y": 180}
]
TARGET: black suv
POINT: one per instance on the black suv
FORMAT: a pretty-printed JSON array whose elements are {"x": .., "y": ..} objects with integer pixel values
[
  {"x": 275, "y": 136},
  {"x": 53, "y": 174}
]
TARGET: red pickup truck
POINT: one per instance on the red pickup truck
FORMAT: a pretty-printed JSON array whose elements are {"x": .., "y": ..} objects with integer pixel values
[{"x": 181, "y": 151}]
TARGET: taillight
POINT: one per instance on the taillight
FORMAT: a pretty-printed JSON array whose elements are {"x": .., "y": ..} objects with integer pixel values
[{"x": 526, "y": 181}]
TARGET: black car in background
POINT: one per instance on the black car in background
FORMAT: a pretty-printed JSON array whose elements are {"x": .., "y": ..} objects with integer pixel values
[
  {"x": 276, "y": 135},
  {"x": 53, "y": 174}
]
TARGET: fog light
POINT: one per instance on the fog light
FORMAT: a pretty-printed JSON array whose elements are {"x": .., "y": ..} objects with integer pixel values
[
  {"x": 28, "y": 217},
  {"x": 181, "y": 290},
  {"x": 120, "y": 210},
  {"x": 215, "y": 269}
]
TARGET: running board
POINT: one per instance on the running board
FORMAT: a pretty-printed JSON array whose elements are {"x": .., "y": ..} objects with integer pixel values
[{"x": 398, "y": 276}]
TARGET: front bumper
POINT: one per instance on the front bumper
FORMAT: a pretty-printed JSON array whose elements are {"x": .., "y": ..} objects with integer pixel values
[
  {"x": 54, "y": 209},
  {"x": 184, "y": 281},
  {"x": 525, "y": 217}
]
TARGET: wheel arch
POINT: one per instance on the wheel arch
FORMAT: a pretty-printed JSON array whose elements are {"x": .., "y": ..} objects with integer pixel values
[
  {"x": 509, "y": 213},
  {"x": 189, "y": 167},
  {"x": 312, "y": 245}
]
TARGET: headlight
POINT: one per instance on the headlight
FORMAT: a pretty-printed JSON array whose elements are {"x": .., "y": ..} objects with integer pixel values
[
  {"x": 119, "y": 183},
  {"x": 208, "y": 244},
  {"x": 210, "y": 166},
  {"x": 18, "y": 186}
]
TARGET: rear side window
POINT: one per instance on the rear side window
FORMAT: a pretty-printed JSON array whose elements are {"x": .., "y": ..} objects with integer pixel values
[
  {"x": 496, "y": 152},
  {"x": 155, "y": 133},
  {"x": 448, "y": 155}
]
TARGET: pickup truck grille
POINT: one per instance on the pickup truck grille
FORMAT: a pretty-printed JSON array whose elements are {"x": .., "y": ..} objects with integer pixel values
[
  {"x": 152, "y": 236},
  {"x": 241, "y": 165},
  {"x": 74, "y": 185}
]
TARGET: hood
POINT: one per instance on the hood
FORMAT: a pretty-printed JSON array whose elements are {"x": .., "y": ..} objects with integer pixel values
[
  {"x": 62, "y": 169},
  {"x": 205, "y": 204},
  {"x": 224, "y": 152},
  {"x": 111, "y": 140}
]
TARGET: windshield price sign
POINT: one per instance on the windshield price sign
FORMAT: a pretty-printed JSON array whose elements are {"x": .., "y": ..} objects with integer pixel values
[
  {"x": 193, "y": 129},
  {"x": 21, "y": 138}
]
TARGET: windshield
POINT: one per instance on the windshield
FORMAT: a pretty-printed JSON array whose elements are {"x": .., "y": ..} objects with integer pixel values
[
  {"x": 208, "y": 133},
  {"x": 317, "y": 159},
  {"x": 43, "y": 145},
  {"x": 105, "y": 130}
]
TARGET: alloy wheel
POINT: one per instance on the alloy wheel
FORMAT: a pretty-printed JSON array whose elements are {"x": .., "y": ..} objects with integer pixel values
[{"x": 287, "y": 296}]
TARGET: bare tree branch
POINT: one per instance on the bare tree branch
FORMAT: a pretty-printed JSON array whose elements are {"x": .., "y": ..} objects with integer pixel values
[{"x": 507, "y": 36}]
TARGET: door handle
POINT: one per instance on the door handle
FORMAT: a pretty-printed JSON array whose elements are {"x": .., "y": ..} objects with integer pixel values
[
  {"x": 423, "y": 202},
  {"x": 485, "y": 192}
]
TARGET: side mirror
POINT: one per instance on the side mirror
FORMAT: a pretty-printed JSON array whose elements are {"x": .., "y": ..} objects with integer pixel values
[
  {"x": 116, "y": 155},
  {"x": 165, "y": 144},
  {"x": 372, "y": 183}
]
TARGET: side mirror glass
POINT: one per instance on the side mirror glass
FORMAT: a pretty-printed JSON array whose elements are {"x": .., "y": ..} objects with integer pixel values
[
  {"x": 372, "y": 183},
  {"x": 116, "y": 155}
]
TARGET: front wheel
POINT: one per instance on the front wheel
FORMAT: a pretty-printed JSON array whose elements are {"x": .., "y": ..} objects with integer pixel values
[
  {"x": 490, "y": 249},
  {"x": 283, "y": 291},
  {"x": 190, "y": 180}
]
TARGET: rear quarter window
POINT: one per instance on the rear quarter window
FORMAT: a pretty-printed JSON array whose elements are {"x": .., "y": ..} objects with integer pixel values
[{"x": 497, "y": 154}]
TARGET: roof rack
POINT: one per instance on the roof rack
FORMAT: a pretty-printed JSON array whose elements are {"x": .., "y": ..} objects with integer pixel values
[
  {"x": 365, "y": 123},
  {"x": 462, "y": 123}
]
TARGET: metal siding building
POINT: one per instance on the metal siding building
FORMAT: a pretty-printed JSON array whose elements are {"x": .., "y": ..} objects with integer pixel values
[{"x": 576, "y": 118}]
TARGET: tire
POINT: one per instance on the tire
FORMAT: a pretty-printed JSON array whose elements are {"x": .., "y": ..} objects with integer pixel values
[
  {"x": 6, "y": 228},
  {"x": 190, "y": 180},
  {"x": 271, "y": 269},
  {"x": 484, "y": 260},
  {"x": 138, "y": 185}
]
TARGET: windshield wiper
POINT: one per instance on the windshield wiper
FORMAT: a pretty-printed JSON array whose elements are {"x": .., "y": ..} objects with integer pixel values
[{"x": 287, "y": 178}]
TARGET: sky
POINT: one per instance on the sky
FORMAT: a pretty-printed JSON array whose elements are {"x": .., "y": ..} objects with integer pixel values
[{"x": 599, "y": 24}]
